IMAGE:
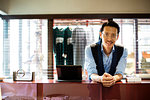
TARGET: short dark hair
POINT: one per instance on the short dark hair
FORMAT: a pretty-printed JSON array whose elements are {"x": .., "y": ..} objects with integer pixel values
[{"x": 112, "y": 24}]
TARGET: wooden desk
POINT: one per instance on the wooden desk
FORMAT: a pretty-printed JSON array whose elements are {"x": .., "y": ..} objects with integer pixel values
[
  {"x": 127, "y": 91},
  {"x": 84, "y": 90},
  {"x": 11, "y": 89},
  {"x": 46, "y": 88}
]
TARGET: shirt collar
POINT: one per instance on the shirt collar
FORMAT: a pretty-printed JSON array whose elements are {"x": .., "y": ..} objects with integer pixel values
[{"x": 102, "y": 50}]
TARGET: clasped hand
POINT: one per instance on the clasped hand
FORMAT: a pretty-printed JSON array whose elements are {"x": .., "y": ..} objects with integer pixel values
[{"x": 108, "y": 80}]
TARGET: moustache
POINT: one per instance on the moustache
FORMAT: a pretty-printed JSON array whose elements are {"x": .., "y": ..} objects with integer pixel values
[{"x": 110, "y": 41}]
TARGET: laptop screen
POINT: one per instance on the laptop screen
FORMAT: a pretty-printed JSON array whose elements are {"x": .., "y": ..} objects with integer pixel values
[{"x": 69, "y": 72}]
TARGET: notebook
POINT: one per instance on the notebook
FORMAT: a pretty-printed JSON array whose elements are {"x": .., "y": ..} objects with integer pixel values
[{"x": 69, "y": 73}]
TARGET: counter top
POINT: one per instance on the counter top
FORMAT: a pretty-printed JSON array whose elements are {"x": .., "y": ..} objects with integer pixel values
[
  {"x": 40, "y": 89},
  {"x": 123, "y": 81}
]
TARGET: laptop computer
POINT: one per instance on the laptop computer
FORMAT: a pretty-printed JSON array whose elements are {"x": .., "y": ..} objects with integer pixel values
[{"x": 69, "y": 73}]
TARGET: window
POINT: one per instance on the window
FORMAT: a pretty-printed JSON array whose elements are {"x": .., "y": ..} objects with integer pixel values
[
  {"x": 144, "y": 45},
  {"x": 127, "y": 37},
  {"x": 24, "y": 46},
  {"x": 1, "y": 46},
  {"x": 24, "y": 43}
]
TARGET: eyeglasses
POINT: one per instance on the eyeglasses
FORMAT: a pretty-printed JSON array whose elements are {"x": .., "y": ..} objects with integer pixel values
[{"x": 112, "y": 36}]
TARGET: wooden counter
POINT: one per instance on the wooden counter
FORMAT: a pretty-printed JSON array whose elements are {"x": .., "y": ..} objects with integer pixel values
[{"x": 84, "y": 90}]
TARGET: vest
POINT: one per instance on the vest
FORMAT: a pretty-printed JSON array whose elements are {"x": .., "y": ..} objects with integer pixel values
[{"x": 98, "y": 57}]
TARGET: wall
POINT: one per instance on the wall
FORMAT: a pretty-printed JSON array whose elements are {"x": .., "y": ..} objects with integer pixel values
[
  {"x": 77, "y": 6},
  {"x": 4, "y": 6}
]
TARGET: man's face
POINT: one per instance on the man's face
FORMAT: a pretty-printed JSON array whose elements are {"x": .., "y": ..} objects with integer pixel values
[{"x": 109, "y": 36}]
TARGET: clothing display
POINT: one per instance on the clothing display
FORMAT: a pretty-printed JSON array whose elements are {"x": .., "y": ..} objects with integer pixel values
[
  {"x": 57, "y": 33},
  {"x": 70, "y": 42},
  {"x": 79, "y": 43},
  {"x": 68, "y": 46},
  {"x": 63, "y": 46},
  {"x": 59, "y": 52},
  {"x": 59, "y": 45}
]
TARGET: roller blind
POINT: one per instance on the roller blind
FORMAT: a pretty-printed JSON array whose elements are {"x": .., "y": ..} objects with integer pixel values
[
  {"x": 144, "y": 45},
  {"x": 24, "y": 45}
]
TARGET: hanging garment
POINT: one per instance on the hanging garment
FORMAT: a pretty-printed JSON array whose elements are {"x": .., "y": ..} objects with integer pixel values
[
  {"x": 68, "y": 46},
  {"x": 56, "y": 33},
  {"x": 79, "y": 43},
  {"x": 59, "y": 45}
]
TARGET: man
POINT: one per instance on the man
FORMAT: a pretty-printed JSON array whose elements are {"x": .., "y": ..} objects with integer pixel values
[{"x": 104, "y": 60}]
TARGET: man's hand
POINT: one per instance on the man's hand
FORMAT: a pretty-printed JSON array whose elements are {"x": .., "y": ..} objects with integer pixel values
[{"x": 108, "y": 80}]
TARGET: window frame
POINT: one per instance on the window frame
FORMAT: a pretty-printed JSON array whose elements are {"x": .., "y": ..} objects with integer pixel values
[{"x": 51, "y": 17}]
